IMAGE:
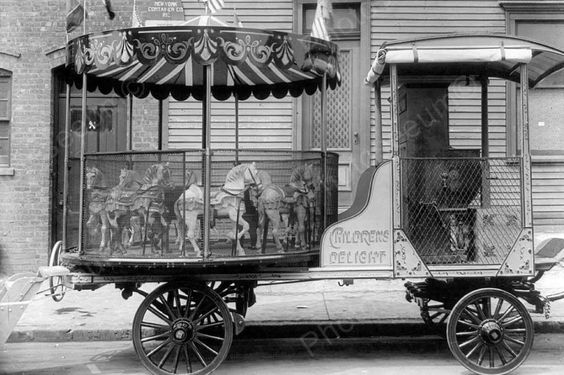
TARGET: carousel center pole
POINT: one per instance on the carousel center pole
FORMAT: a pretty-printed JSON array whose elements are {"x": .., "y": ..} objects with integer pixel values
[
  {"x": 82, "y": 147},
  {"x": 206, "y": 104},
  {"x": 324, "y": 144}
]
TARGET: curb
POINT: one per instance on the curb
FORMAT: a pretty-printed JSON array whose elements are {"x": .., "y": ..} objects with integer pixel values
[{"x": 304, "y": 330}]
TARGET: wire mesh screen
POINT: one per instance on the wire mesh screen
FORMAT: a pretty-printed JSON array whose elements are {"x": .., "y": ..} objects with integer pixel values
[
  {"x": 461, "y": 210},
  {"x": 151, "y": 204}
]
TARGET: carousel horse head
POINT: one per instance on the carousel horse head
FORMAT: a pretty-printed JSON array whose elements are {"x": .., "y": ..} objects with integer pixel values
[
  {"x": 94, "y": 178},
  {"x": 158, "y": 175},
  {"x": 240, "y": 177},
  {"x": 128, "y": 177}
]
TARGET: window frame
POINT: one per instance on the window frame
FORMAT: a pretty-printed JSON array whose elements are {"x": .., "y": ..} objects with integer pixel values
[
  {"x": 532, "y": 11},
  {"x": 6, "y": 76}
]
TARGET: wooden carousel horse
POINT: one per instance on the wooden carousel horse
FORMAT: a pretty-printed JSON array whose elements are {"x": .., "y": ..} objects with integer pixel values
[
  {"x": 139, "y": 202},
  {"x": 97, "y": 194},
  {"x": 294, "y": 202},
  {"x": 226, "y": 203}
]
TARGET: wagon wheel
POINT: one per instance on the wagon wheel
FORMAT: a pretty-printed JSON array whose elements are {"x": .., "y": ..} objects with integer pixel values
[
  {"x": 489, "y": 331},
  {"x": 56, "y": 287},
  {"x": 434, "y": 313},
  {"x": 182, "y": 329}
]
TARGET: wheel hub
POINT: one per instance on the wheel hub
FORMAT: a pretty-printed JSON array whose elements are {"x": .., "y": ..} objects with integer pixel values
[
  {"x": 491, "y": 332},
  {"x": 182, "y": 331}
]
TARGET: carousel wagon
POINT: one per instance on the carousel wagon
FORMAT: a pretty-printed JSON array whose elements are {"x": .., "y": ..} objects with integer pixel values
[{"x": 456, "y": 220}]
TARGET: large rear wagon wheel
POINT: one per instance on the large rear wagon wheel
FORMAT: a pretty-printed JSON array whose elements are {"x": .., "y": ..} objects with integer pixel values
[
  {"x": 182, "y": 329},
  {"x": 489, "y": 331}
]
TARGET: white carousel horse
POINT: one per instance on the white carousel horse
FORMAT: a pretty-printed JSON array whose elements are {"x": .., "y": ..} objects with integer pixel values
[
  {"x": 226, "y": 202},
  {"x": 143, "y": 198},
  {"x": 293, "y": 201},
  {"x": 97, "y": 194}
]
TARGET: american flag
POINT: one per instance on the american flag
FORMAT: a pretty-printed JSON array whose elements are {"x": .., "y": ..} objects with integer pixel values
[
  {"x": 322, "y": 18},
  {"x": 213, "y": 5}
]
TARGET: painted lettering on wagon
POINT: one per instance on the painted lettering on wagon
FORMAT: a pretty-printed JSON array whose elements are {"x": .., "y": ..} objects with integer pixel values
[
  {"x": 359, "y": 257},
  {"x": 342, "y": 237}
]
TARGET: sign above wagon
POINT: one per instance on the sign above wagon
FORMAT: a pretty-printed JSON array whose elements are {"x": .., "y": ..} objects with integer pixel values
[
  {"x": 170, "y": 60},
  {"x": 488, "y": 55}
]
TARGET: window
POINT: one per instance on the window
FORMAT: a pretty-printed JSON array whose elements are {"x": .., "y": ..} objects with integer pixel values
[
  {"x": 542, "y": 22},
  {"x": 5, "y": 116}
]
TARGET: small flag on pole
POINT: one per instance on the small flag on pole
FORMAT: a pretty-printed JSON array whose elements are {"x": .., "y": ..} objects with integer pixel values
[
  {"x": 213, "y": 5},
  {"x": 236, "y": 21},
  {"x": 75, "y": 15},
  {"x": 135, "y": 19},
  {"x": 108, "y": 5},
  {"x": 322, "y": 19}
]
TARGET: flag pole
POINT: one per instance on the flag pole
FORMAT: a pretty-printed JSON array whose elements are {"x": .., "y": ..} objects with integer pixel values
[{"x": 82, "y": 144}]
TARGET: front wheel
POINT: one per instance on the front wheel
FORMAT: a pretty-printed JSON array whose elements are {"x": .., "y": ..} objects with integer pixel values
[
  {"x": 182, "y": 328},
  {"x": 489, "y": 331}
]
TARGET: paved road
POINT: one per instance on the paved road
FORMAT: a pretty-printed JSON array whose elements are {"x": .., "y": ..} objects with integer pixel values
[{"x": 387, "y": 356}]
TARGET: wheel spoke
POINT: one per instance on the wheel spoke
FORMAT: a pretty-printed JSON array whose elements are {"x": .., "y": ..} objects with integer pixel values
[
  {"x": 509, "y": 309},
  {"x": 470, "y": 342},
  {"x": 204, "y": 326},
  {"x": 165, "y": 356},
  {"x": 159, "y": 314},
  {"x": 188, "y": 361},
  {"x": 178, "y": 303},
  {"x": 475, "y": 326},
  {"x": 508, "y": 348},
  {"x": 466, "y": 333},
  {"x": 473, "y": 350},
  {"x": 479, "y": 311},
  {"x": 198, "y": 354},
  {"x": 209, "y": 336},
  {"x": 191, "y": 317},
  {"x": 166, "y": 303},
  {"x": 512, "y": 321},
  {"x": 159, "y": 347},
  {"x": 205, "y": 346},
  {"x": 497, "y": 308},
  {"x": 155, "y": 325},
  {"x": 503, "y": 361},
  {"x": 202, "y": 317},
  {"x": 491, "y": 354},
  {"x": 515, "y": 341},
  {"x": 487, "y": 308},
  {"x": 482, "y": 354},
  {"x": 188, "y": 302},
  {"x": 156, "y": 337},
  {"x": 473, "y": 317},
  {"x": 176, "y": 359},
  {"x": 515, "y": 330}
]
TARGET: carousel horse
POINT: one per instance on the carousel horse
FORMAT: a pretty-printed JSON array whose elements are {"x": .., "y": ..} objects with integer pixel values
[
  {"x": 139, "y": 201},
  {"x": 226, "y": 202},
  {"x": 293, "y": 201},
  {"x": 97, "y": 194}
]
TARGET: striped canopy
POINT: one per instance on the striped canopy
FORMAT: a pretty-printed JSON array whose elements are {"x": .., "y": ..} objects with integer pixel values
[{"x": 170, "y": 60}]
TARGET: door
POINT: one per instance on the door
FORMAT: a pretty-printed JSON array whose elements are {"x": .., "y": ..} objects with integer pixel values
[
  {"x": 344, "y": 131},
  {"x": 106, "y": 132}
]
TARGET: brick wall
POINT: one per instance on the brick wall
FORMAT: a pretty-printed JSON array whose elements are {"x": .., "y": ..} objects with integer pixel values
[{"x": 34, "y": 31}]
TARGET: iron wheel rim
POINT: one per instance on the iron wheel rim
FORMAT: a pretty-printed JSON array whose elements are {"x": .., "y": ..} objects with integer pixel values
[
  {"x": 489, "y": 331},
  {"x": 170, "y": 338}
]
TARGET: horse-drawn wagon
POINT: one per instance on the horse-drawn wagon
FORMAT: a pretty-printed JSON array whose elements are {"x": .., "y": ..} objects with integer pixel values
[{"x": 457, "y": 219}]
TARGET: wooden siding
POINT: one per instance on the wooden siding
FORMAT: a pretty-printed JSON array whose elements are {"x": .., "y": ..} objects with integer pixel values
[
  {"x": 548, "y": 194},
  {"x": 262, "y": 123}
]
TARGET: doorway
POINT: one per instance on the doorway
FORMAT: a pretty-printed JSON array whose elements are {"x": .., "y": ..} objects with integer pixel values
[{"x": 106, "y": 128}]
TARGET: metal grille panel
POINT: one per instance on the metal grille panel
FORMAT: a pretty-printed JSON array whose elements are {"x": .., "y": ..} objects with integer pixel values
[
  {"x": 465, "y": 210},
  {"x": 132, "y": 208}
]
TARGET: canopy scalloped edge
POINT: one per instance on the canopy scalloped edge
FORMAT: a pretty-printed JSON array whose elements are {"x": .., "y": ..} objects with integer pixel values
[{"x": 170, "y": 60}]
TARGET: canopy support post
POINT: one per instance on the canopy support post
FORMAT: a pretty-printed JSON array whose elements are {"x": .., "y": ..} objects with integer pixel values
[
  {"x": 324, "y": 145},
  {"x": 160, "y": 124},
  {"x": 82, "y": 147},
  {"x": 66, "y": 163},
  {"x": 396, "y": 183},
  {"x": 236, "y": 128},
  {"x": 130, "y": 124},
  {"x": 527, "y": 209},
  {"x": 379, "y": 148},
  {"x": 206, "y": 104},
  {"x": 485, "y": 144}
]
